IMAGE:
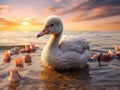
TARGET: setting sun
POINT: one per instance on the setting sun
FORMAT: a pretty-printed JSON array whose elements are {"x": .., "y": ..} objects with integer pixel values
[{"x": 25, "y": 23}]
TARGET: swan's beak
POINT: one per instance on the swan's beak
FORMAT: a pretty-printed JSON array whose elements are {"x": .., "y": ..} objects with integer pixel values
[{"x": 44, "y": 31}]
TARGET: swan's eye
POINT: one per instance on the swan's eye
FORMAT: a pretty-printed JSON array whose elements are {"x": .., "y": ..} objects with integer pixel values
[{"x": 52, "y": 25}]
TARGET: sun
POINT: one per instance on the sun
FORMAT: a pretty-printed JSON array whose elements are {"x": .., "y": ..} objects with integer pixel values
[{"x": 25, "y": 23}]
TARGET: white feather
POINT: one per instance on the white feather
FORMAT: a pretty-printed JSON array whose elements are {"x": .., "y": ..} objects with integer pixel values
[{"x": 69, "y": 53}]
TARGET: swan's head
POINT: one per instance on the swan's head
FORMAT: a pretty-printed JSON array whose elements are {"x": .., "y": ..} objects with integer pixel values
[{"x": 52, "y": 25}]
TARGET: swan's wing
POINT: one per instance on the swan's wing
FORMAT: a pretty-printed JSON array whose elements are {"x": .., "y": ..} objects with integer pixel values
[{"x": 74, "y": 44}]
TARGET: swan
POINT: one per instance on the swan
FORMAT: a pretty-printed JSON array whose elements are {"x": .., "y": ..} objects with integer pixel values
[{"x": 62, "y": 54}]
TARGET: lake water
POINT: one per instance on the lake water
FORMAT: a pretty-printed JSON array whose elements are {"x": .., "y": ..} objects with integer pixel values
[{"x": 36, "y": 77}]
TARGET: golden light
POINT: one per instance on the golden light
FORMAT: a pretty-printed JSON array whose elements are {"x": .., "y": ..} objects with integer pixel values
[{"x": 25, "y": 23}]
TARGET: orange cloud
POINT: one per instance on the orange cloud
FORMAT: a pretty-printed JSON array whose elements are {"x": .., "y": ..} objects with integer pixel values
[
  {"x": 106, "y": 26},
  {"x": 4, "y": 7},
  {"x": 16, "y": 24},
  {"x": 35, "y": 21},
  {"x": 98, "y": 11},
  {"x": 4, "y": 21},
  {"x": 32, "y": 21},
  {"x": 55, "y": 10}
]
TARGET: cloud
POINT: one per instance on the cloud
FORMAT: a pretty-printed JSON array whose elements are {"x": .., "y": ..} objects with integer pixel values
[
  {"x": 115, "y": 25},
  {"x": 32, "y": 21},
  {"x": 62, "y": 7},
  {"x": 55, "y": 10},
  {"x": 96, "y": 9},
  {"x": 114, "y": 22},
  {"x": 4, "y": 21},
  {"x": 117, "y": 22},
  {"x": 88, "y": 9},
  {"x": 97, "y": 13},
  {"x": 76, "y": 10},
  {"x": 4, "y": 8}
]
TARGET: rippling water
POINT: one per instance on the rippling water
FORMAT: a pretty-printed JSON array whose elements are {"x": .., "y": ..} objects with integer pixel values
[{"x": 36, "y": 77}]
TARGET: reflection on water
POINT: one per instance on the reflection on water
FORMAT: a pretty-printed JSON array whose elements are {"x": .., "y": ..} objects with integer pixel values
[
  {"x": 115, "y": 64},
  {"x": 14, "y": 86},
  {"x": 9, "y": 47},
  {"x": 74, "y": 79}
]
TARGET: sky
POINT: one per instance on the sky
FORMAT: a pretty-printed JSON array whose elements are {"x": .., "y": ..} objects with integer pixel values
[{"x": 75, "y": 14}]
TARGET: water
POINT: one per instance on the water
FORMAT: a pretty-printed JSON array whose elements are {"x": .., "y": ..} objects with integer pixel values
[{"x": 36, "y": 77}]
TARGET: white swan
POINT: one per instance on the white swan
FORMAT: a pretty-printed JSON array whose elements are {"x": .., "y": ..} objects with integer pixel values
[{"x": 64, "y": 55}]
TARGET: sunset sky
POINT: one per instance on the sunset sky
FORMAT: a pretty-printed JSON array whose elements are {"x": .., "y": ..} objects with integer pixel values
[{"x": 76, "y": 14}]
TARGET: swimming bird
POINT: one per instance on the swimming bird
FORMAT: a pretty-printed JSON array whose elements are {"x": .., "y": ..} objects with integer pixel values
[
  {"x": 66, "y": 54},
  {"x": 27, "y": 58},
  {"x": 7, "y": 57},
  {"x": 104, "y": 56},
  {"x": 15, "y": 76},
  {"x": 14, "y": 50}
]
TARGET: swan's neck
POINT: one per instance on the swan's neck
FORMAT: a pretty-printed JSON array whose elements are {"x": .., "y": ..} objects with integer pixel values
[{"x": 53, "y": 42}]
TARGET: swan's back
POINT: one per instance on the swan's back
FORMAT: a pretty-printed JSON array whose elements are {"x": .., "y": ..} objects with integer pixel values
[{"x": 73, "y": 44}]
